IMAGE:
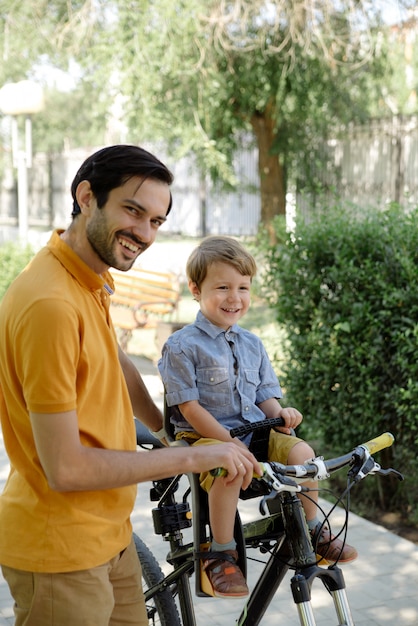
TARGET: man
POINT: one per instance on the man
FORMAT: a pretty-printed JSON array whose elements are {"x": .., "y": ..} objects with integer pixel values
[{"x": 68, "y": 396}]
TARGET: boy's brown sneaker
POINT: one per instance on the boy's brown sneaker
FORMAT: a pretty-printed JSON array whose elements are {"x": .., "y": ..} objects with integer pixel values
[
  {"x": 225, "y": 576},
  {"x": 330, "y": 547}
]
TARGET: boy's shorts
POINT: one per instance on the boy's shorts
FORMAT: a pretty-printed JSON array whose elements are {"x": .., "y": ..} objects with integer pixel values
[{"x": 279, "y": 448}]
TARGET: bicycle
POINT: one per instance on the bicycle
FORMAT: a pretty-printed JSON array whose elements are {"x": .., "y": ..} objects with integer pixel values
[{"x": 281, "y": 533}]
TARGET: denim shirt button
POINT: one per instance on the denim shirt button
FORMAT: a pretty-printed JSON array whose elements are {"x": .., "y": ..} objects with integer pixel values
[
  {"x": 247, "y": 408},
  {"x": 211, "y": 379}
]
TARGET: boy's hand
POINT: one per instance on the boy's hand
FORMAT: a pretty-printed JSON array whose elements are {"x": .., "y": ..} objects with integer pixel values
[{"x": 292, "y": 418}]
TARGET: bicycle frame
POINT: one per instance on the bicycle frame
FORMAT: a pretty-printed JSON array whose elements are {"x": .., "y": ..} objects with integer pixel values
[
  {"x": 283, "y": 533},
  {"x": 295, "y": 544},
  {"x": 292, "y": 549}
]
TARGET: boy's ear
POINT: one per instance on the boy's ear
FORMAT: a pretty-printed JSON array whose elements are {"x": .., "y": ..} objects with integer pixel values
[{"x": 194, "y": 290}]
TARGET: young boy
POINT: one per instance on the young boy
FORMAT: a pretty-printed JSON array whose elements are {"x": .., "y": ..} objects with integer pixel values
[{"x": 219, "y": 376}]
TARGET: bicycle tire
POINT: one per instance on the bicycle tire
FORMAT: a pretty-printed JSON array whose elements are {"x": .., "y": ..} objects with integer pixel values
[{"x": 162, "y": 609}]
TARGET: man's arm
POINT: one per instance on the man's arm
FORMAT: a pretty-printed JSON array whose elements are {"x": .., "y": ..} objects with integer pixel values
[
  {"x": 70, "y": 466},
  {"x": 143, "y": 405}
]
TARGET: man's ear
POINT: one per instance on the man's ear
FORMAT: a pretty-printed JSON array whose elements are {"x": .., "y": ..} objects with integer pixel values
[
  {"x": 194, "y": 290},
  {"x": 84, "y": 196}
]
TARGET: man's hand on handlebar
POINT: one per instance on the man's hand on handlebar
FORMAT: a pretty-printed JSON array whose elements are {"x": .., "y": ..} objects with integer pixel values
[{"x": 239, "y": 462}]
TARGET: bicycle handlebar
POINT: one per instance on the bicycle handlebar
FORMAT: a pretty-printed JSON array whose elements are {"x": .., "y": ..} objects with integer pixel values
[
  {"x": 359, "y": 459},
  {"x": 385, "y": 440},
  {"x": 245, "y": 429}
]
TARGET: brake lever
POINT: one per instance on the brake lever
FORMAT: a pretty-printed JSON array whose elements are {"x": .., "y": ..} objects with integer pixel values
[
  {"x": 358, "y": 472},
  {"x": 263, "y": 508},
  {"x": 391, "y": 472},
  {"x": 278, "y": 482},
  {"x": 278, "y": 486}
]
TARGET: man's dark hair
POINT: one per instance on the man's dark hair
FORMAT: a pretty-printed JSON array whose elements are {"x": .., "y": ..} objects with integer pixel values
[{"x": 113, "y": 166}]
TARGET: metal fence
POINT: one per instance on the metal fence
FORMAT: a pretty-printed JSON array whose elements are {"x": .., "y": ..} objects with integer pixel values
[
  {"x": 199, "y": 206},
  {"x": 368, "y": 165}
]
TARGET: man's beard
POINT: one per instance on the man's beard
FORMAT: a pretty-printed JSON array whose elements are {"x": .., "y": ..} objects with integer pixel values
[{"x": 98, "y": 237}]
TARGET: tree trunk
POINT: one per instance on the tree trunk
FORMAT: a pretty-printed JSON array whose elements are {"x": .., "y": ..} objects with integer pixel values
[{"x": 271, "y": 172}]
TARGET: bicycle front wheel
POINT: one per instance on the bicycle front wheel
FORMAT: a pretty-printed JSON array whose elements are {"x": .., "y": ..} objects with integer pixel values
[{"x": 161, "y": 609}]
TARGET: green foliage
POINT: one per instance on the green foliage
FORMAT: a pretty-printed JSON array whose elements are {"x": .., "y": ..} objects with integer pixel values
[
  {"x": 13, "y": 258},
  {"x": 398, "y": 91},
  {"x": 204, "y": 77},
  {"x": 65, "y": 122},
  {"x": 42, "y": 41},
  {"x": 198, "y": 74},
  {"x": 345, "y": 287}
]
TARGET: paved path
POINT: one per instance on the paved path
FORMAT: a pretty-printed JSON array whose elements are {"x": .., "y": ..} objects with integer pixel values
[{"x": 381, "y": 584}]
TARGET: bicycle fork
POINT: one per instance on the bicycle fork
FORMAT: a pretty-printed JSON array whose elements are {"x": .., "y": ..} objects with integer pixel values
[
  {"x": 333, "y": 580},
  {"x": 307, "y": 569}
]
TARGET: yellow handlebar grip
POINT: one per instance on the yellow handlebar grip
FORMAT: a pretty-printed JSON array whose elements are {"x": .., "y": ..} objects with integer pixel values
[
  {"x": 217, "y": 472},
  {"x": 384, "y": 440}
]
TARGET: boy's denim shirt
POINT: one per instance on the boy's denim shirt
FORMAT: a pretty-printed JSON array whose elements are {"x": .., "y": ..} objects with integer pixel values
[{"x": 228, "y": 372}]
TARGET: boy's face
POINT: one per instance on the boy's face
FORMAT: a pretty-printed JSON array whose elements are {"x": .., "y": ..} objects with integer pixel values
[{"x": 224, "y": 295}]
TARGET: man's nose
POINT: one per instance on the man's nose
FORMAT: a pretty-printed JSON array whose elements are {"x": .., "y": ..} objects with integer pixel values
[{"x": 144, "y": 232}]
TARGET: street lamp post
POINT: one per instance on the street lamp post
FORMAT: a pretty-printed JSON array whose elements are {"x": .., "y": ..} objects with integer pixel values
[{"x": 22, "y": 98}]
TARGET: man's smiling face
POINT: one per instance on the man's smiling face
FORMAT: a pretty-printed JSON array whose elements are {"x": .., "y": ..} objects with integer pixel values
[{"x": 128, "y": 223}]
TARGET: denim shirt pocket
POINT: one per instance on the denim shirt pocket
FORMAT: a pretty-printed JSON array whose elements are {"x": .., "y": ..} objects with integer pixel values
[
  {"x": 213, "y": 384},
  {"x": 252, "y": 378}
]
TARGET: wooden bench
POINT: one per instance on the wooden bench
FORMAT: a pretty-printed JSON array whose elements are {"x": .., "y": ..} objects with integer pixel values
[{"x": 141, "y": 299}]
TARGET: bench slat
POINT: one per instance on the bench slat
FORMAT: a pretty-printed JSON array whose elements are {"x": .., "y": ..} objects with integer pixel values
[{"x": 141, "y": 298}]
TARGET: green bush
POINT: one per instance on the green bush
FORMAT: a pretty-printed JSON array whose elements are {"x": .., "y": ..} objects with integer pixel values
[
  {"x": 345, "y": 286},
  {"x": 13, "y": 258}
]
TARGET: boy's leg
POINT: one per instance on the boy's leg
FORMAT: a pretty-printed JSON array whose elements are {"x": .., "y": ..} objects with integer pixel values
[
  {"x": 223, "y": 502},
  {"x": 294, "y": 451},
  {"x": 225, "y": 576},
  {"x": 291, "y": 450},
  {"x": 68, "y": 599}
]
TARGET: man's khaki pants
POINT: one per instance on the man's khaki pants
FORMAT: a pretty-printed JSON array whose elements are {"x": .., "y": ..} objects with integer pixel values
[{"x": 108, "y": 595}]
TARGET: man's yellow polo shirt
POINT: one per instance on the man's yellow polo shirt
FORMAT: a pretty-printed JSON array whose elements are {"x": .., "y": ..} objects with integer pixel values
[{"x": 58, "y": 353}]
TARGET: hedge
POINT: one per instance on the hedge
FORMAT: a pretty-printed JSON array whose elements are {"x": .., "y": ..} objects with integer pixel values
[
  {"x": 345, "y": 286},
  {"x": 13, "y": 258}
]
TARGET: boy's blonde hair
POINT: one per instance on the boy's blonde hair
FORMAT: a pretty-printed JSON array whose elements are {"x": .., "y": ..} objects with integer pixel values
[{"x": 219, "y": 249}]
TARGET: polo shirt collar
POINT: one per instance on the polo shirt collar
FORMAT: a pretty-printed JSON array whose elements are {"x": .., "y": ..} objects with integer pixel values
[{"x": 76, "y": 266}]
